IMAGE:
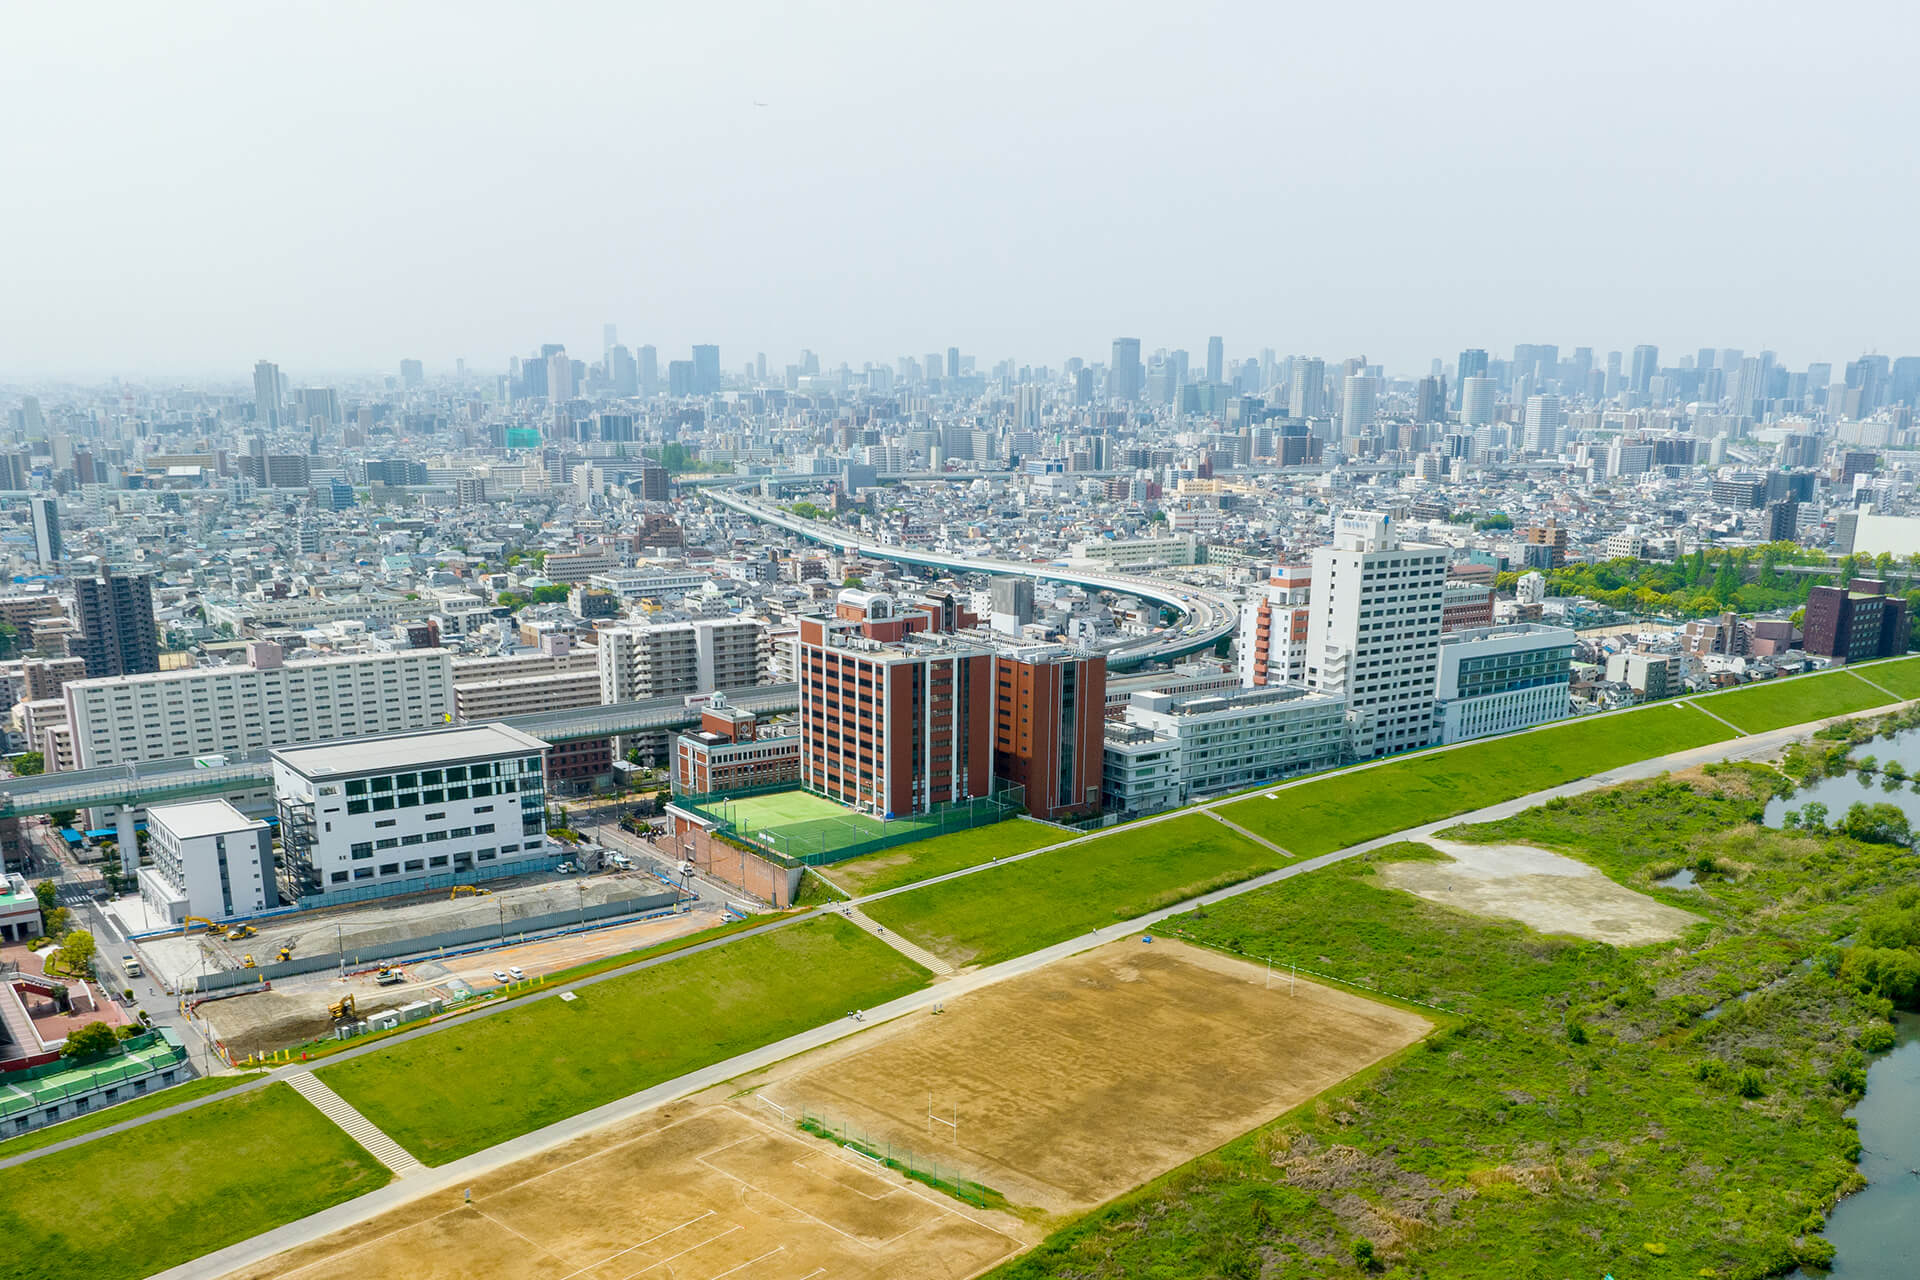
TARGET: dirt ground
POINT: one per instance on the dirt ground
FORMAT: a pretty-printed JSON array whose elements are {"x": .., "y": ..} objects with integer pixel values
[
  {"x": 1540, "y": 889},
  {"x": 295, "y": 1010},
  {"x": 691, "y": 1193},
  {"x": 1090, "y": 1076}
]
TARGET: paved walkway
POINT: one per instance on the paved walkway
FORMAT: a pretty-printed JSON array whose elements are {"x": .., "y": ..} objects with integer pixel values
[
  {"x": 1262, "y": 841},
  {"x": 1722, "y": 719},
  {"x": 358, "y": 1127},
  {"x": 911, "y": 950}
]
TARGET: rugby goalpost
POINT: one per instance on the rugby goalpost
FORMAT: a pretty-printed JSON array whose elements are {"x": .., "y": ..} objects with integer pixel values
[{"x": 953, "y": 1124}]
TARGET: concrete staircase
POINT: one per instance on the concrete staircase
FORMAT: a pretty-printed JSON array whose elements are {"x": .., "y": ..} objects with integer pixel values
[
  {"x": 912, "y": 951},
  {"x": 358, "y": 1127}
]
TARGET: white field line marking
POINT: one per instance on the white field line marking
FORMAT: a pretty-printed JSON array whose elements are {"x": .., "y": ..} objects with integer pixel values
[
  {"x": 641, "y": 1245},
  {"x": 684, "y": 1252},
  {"x": 779, "y": 1248}
]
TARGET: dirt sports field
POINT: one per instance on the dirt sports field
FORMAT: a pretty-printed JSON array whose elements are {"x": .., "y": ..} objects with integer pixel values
[
  {"x": 1071, "y": 1084},
  {"x": 1088, "y": 1077}
]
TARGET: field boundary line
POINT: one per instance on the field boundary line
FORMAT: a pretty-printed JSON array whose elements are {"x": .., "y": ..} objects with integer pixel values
[
  {"x": 1873, "y": 685},
  {"x": 640, "y": 1244},
  {"x": 1722, "y": 719},
  {"x": 1231, "y": 825}
]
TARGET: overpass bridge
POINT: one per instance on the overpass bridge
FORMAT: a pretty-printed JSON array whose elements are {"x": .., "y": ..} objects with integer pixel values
[
  {"x": 157, "y": 781},
  {"x": 1207, "y": 617}
]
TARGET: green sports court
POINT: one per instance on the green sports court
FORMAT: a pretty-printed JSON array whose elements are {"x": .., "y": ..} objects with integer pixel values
[{"x": 805, "y": 826}]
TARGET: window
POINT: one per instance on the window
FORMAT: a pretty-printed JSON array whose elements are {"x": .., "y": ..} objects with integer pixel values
[
  {"x": 356, "y": 806},
  {"x": 381, "y": 784},
  {"x": 435, "y": 835},
  {"x": 509, "y": 848},
  {"x": 437, "y": 861},
  {"x": 382, "y": 802},
  {"x": 363, "y": 849},
  {"x": 390, "y": 842},
  {"x": 428, "y": 777},
  {"x": 483, "y": 829},
  {"x": 485, "y": 855},
  {"x": 386, "y": 822},
  {"x": 412, "y": 839},
  {"x": 461, "y": 833},
  {"x": 357, "y": 787},
  {"x": 338, "y": 877},
  {"x": 436, "y": 817},
  {"x": 389, "y": 868},
  {"x": 482, "y": 808},
  {"x": 408, "y": 781},
  {"x": 363, "y": 873},
  {"x": 416, "y": 864},
  {"x": 458, "y": 773}
]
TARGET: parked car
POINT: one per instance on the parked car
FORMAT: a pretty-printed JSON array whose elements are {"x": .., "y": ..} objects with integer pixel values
[
  {"x": 566, "y": 868},
  {"x": 518, "y": 973}
]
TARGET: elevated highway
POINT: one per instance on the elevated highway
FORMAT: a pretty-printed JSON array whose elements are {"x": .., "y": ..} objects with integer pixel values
[{"x": 1206, "y": 617}]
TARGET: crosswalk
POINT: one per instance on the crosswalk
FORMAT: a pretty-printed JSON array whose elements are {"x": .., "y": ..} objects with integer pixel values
[{"x": 358, "y": 1127}]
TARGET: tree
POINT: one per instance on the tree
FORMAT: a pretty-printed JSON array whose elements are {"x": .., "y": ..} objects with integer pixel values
[
  {"x": 1726, "y": 580},
  {"x": 855, "y": 581},
  {"x": 29, "y": 763},
  {"x": 1814, "y": 816},
  {"x": 76, "y": 953},
  {"x": 95, "y": 1040},
  {"x": 63, "y": 817},
  {"x": 1877, "y": 824}
]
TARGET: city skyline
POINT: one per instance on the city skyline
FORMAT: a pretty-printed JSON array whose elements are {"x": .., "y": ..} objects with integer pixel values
[{"x": 413, "y": 184}]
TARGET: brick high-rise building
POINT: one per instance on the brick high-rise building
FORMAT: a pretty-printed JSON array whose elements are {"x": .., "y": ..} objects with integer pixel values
[
  {"x": 1551, "y": 536},
  {"x": 118, "y": 636},
  {"x": 895, "y": 718},
  {"x": 1856, "y": 622},
  {"x": 1049, "y": 725}
]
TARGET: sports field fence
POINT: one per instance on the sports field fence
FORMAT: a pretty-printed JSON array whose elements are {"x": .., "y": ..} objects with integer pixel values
[
  {"x": 919, "y": 1166},
  {"x": 820, "y": 842}
]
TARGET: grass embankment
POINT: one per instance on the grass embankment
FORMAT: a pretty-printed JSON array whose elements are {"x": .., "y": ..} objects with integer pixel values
[
  {"x": 1363, "y": 804},
  {"x": 1585, "y": 1115},
  {"x": 1901, "y": 676},
  {"x": 120, "y": 1113},
  {"x": 1776, "y": 704},
  {"x": 1026, "y": 905},
  {"x": 473, "y": 1085},
  {"x": 906, "y": 864},
  {"x": 138, "y": 1202}
]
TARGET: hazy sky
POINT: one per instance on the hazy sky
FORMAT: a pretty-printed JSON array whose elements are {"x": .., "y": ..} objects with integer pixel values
[{"x": 187, "y": 187}]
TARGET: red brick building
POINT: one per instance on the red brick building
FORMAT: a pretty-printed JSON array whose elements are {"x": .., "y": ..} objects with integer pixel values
[
  {"x": 728, "y": 753},
  {"x": 1050, "y": 726},
  {"x": 1856, "y": 622},
  {"x": 895, "y": 717}
]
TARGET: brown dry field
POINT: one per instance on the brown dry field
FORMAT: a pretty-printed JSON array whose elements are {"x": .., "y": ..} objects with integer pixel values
[
  {"x": 693, "y": 1193},
  {"x": 1086, "y": 1078}
]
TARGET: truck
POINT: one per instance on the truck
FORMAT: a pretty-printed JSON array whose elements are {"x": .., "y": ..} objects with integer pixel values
[{"x": 132, "y": 966}]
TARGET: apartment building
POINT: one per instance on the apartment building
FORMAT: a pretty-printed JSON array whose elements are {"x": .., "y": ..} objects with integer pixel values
[
  {"x": 209, "y": 860},
  {"x": 1241, "y": 739},
  {"x": 1049, "y": 723},
  {"x": 392, "y": 814},
  {"x": 1466, "y": 606},
  {"x": 1499, "y": 679},
  {"x": 1856, "y": 622},
  {"x": 1273, "y": 628},
  {"x": 1374, "y": 635},
  {"x": 557, "y": 653},
  {"x": 263, "y": 702},
  {"x": 117, "y": 632},
  {"x": 1138, "y": 553},
  {"x": 659, "y": 660},
  {"x": 484, "y": 700},
  {"x": 894, "y": 717},
  {"x": 731, "y": 752}
]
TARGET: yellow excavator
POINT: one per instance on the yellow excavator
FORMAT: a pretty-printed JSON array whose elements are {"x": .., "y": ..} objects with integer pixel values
[
  {"x": 343, "y": 1009},
  {"x": 187, "y": 925},
  {"x": 285, "y": 954},
  {"x": 468, "y": 888},
  {"x": 240, "y": 931},
  {"x": 246, "y": 961}
]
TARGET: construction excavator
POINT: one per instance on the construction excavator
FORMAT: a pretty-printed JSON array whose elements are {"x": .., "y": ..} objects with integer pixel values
[
  {"x": 342, "y": 1010},
  {"x": 187, "y": 925},
  {"x": 475, "y": 890},
  {"x": 240, "y": 931}
]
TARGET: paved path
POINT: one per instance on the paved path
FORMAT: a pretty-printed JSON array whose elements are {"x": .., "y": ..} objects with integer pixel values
[
  {"x": 1231, "y": 825},
  {"x": 358, "y": 1127},
  {"x": 464, "y": 1171},
  {"x": 1722, "y": 719},
  {"x": 911, "y": 950}
]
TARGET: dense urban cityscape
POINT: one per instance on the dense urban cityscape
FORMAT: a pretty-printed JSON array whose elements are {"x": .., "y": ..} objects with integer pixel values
[{"x": 778, "y": 642}]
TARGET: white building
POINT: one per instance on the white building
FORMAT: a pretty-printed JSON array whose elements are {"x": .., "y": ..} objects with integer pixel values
[
  {"x": 1374, "y": 635},
  {"x": 1126, "y": 553},
  {"x": 411, "y": 811},
  {"x": 208, "y": 860},
  {"x": 1245, "y": 738},
  {"x": 263, "y": 702},
  {"x": 1140, "y": 771},
  {"x": 1274, "y": 621},
  {"x": 1499, "y": 679},
  {"x": 666, "y": 659}
]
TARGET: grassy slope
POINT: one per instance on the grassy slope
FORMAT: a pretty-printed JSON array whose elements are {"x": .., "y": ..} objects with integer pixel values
[
  {"x": 1321, "y": 816},
  {"x": 461, "y": 1090},
  {"x": 129, "y": 1110},
  {"x": 1026, "y": 905},
  {"x": 904, "y": 864},
  {"x": 1505, "y": 1149},
  {"x": 1779, "y": 703},
  {"x": 141, "y": 1201},
  {"x": 1902, "y": 677}
]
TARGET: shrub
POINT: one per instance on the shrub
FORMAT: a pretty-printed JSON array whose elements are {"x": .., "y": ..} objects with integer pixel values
[
  {"x": 1363, "y": 1255},
  {"x": 1877, "y": 1038},
  {"x": 1750, "y": 1083}
]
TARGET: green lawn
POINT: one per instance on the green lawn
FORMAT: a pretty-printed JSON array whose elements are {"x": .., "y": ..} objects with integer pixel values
[
  {"x": 1363, "y": 804},
  {"x": 1007, "y": 912},
  {"x": 1776, "y": 704},
  {"x": 473, "y": 1085},
  {"x": 132, "y": 1109},
  {"x": 1578, "y": 1115},
  {"x": 937, "y": 855},
  {"x": 1902, "y": 676},
  {"x": 138, "y": 1202}
]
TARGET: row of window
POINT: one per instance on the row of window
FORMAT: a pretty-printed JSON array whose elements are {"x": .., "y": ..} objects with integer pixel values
[{"x": 436, "y": 862}]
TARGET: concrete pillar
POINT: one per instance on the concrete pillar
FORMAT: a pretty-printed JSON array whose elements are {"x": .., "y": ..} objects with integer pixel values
[{"x": 127, "y": 838}]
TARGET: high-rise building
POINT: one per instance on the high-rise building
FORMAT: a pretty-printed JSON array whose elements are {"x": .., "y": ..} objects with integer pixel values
[
  {"x": 1476, "y": 401},
  {"x": 1049, "y": 723},
  {"x": 118, "y": 636},
  {"x": 706, "y": 370},
  {"x": 1356, "y": 406},
  {"x": 413, "y": 374},
  {"x": 1856, "y": 622},
  {"x": 318, "y": 404},
  {"x": 668, "y": 659},
  {"x": 1544, "y": 420},
  {"x": 1646, "y": 363},
  {"x": 1308, "y": 397},
  {"x": 649, "y": 361},
  {"x": 1126, "y": 378},
  {"x": 47, "y": 547},
  {"x": 269, "y": 391},
  {"x": 1272, "y": 642},
  {"x": 1374, "y": 634},
  {"x": 1503, "y": 679},
  {"x": 1216, "y": 360},
  {"x": 560, "y": 377},
  {"x": 622, "y": 373},
  {"x": 1430, "y": 400},
  {"x": 894, "y": 717}
]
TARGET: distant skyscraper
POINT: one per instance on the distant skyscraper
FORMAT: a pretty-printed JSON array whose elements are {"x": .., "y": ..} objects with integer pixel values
[
  {"x": 1216, "y": 360},
  {"x": 268, "y": 391},
  {"x": 1476, "y": 401},
  {"x": 46, "y": 530},
  {"x": 1356, "y": 405},
  {"x": 1646, "y": 363},
  {"x": 1473, "y": 364},
  {"x": 609, "y": 338},
  {"x": 1430, "y": 400},
  {"x": 559, "y": 377},
  {"x": 622, "y": 372},
  {"x": 953, "y": 362},
  {"x": 649, "y": 371},
  {"x": 706, "y": 370},
  {"x": 1125, "y": 376},
  {"x": 412, "y": 374},
  {"x": 1543, "y": 424},
  {"x": 1309, "y": 395},
  {"x": 117, "y": 632},
  {"x": 1614, "y": 377}
]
